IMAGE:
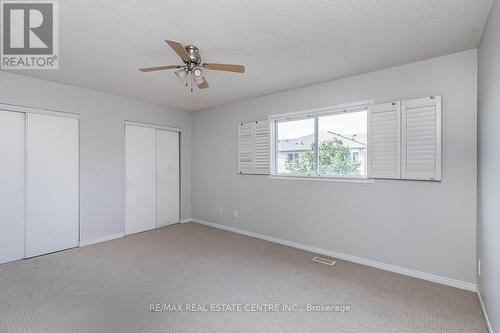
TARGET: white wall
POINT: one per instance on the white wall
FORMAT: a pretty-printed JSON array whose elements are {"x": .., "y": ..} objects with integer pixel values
[
  {"x": 102, "y": 144},
  {"x": 488, "y": 167},
  {"x": 425, "y": 226}
]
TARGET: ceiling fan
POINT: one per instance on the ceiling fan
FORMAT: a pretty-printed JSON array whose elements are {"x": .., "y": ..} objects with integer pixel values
[{"x": 191, "y": 73}]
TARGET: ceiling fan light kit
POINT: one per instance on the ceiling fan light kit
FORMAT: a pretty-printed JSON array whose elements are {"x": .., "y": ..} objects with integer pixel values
[
  {"x": 192, "y": 72},
  {"x": 181, "y": 74}
]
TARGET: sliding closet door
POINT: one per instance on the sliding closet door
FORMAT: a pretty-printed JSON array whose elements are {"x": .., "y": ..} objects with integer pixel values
[
  {"x": 12, "y": 148},
  {"x": 167, "y": 157},
  {"x": 140, "y": 190},
  {"x": 52, "y": 210}
]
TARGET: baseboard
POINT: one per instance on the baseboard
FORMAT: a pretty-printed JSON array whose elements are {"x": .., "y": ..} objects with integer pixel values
[
  {"x": 101, "y": 239},
  {"x": 119, "y": 235},
  {"x": 484, "y": 311},
  {"x": 367, "y": 262}
]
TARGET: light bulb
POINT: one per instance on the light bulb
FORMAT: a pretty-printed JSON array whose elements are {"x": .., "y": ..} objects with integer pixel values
[{"x": 197, "y": 72}]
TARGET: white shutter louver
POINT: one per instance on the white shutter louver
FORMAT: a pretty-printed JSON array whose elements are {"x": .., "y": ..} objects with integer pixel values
[
  {"x": 261, "y": 147},
  {"x": 421, "y": 138},
  {"x": 245, "y": 148},
  {"x": 384, "y": 144}
]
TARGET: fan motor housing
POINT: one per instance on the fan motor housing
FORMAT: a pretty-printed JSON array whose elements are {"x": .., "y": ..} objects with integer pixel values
[{"x": 194, "y": 54}]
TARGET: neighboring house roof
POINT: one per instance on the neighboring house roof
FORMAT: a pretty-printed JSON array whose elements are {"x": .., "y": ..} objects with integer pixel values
[{"x": 305, "y": 142}]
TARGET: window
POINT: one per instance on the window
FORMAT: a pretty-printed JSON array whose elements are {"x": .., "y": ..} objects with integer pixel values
[
  {"x": 395, "y": 140},
  {"x": 326, "y": 144},
  {"x": 342, "y": 139},
  {"x": 295, "y": 142},
  {"x": 292, "y": 157}
]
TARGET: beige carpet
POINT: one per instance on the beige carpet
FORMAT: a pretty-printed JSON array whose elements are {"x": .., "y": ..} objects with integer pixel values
[{"x": 109, "y": 287}]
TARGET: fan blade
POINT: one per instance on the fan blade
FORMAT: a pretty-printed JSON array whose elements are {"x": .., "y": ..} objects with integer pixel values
[
  {"x": 204, "y": 84},
  {"x": 179, "y": 49},
  {"x": 159, "y": 68},
  {"x": 225, "y": 67}
]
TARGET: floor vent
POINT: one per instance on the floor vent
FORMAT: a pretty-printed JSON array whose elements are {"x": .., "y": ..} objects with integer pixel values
[{"x": 324, "y": 261}]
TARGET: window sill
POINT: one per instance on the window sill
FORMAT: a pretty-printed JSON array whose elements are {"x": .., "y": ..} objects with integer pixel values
[{"x": 359, "y": 180}]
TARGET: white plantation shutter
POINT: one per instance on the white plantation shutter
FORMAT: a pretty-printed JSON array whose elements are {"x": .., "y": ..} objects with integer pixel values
[
  {"x": 253, "y": 147},
  {"x": 384, "y": 141},
  {"x": 421, "y": 138},
  {"x": 261, "y": 147},
  {"x": 245, "y": 148}
]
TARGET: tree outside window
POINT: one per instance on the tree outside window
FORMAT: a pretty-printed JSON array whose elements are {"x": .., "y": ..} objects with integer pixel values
[{"x": 334, "y": 159}]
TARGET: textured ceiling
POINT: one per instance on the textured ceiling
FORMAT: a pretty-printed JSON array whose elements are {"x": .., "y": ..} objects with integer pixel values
[{"x": 284, "y": 44}]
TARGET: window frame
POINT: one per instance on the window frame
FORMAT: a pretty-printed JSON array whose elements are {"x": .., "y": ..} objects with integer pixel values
[{"x": 316, "y": 114}]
